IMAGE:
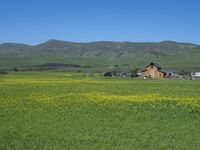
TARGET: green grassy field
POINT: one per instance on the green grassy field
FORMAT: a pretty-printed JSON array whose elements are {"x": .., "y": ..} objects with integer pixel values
[{"x": 73, "y": 111}]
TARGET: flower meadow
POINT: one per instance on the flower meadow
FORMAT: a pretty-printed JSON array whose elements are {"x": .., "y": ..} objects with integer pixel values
[{"x": 51, "y": 110}]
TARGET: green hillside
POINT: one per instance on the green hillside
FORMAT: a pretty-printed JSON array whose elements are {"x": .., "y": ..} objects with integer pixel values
[{"x": 102, "y": 54}]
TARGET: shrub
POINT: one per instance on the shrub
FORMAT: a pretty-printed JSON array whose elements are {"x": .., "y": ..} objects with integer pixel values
[
  {"x": 134, "y": 72},
  {"x": 3, "y": 72}
]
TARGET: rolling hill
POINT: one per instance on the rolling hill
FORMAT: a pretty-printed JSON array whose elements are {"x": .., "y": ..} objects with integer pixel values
[{"x": 169, "y": 54}]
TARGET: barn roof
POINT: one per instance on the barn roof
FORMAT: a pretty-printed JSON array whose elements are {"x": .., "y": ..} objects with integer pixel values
[{"x": 155, "y": 64}]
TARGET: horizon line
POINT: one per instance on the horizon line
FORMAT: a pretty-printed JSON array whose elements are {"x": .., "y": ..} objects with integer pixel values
[{"x": 60, "y": 40}]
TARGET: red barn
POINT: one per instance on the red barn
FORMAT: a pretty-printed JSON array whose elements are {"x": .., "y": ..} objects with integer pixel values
[{"x": 153, "y": 70}]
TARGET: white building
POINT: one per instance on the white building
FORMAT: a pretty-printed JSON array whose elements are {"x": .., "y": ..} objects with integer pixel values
[{"x": 195, "y": 75}]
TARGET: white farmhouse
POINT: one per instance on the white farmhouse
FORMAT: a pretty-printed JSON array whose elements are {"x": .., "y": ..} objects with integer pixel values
[{"x": 195, "y": 75}]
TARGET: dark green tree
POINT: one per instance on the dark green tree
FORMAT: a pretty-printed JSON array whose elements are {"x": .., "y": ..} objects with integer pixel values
[{"x": 134, "y": 72}]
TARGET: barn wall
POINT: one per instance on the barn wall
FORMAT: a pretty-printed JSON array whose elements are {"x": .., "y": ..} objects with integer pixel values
[{"x": 153, "y": 72}]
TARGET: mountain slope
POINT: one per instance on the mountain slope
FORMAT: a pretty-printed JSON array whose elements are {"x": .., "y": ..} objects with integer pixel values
[{"x": 138, "y": 54}]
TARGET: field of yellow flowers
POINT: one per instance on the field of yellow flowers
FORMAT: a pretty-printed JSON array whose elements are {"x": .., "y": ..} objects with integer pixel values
[{"x": 47, "y": 110}]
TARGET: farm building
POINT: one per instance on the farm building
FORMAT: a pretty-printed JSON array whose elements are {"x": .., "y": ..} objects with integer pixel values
[
  {"x": 153, "y": 70},
  {"x": 170, "y": 73},
  {"x": 195, "y": 75}
]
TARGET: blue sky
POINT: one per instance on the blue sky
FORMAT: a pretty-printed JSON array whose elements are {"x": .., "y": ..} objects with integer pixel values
[{"x": 36, "y": 21}]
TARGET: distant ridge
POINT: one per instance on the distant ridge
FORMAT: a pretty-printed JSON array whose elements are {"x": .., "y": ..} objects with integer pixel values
[{"x": 72, "y": 42}]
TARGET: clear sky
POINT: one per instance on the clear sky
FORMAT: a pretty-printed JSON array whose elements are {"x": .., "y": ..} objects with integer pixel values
[{"x": 36, "y": 21}]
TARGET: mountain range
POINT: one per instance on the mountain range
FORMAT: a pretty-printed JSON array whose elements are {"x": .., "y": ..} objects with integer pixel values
[{"x": 169, "y": 54}]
